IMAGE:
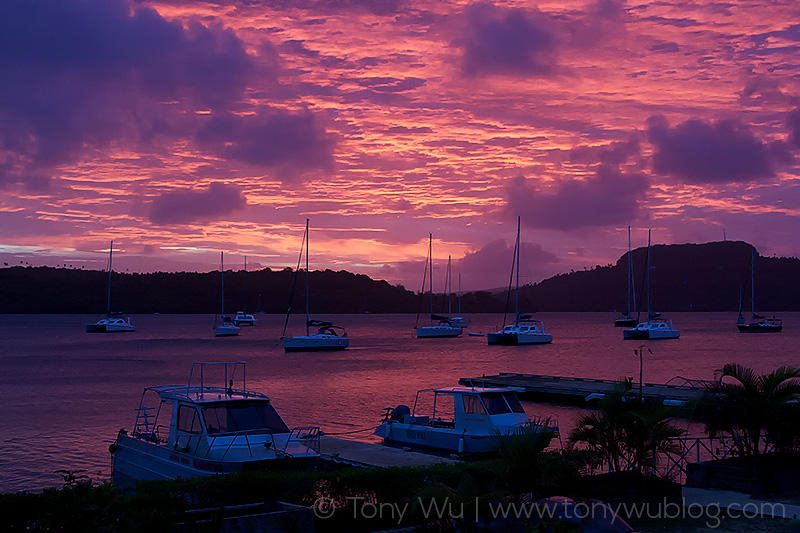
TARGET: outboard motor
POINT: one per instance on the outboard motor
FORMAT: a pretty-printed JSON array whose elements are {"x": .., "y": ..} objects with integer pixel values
[{"x": 399, "y": 412}]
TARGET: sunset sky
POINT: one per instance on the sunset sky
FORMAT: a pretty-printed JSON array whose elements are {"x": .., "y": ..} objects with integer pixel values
[{"x": 183, "y": 128}]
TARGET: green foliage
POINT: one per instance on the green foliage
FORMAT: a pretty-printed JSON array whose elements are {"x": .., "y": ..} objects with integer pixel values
[
  {"x": 746, "y": 406},
  {"x": 626, "y": 433}
]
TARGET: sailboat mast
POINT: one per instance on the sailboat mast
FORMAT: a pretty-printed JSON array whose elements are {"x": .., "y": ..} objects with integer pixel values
[
  {"x": 308, "y": 314},
  {"x": 449, "y": 289},
  {"x": 648, "y": 275},
  {"x": 516, "y": 296},
  {"x": 752, "y": 284},
  {"x": 244, "y": 305},
  {"x": 110, "y": 252},
  {"x": 222, "y": 286},
  {"x": 628, "y": 314},
  {"x": 430, "y": 270}
]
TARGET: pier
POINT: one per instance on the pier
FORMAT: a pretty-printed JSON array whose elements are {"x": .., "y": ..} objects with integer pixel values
[
  {"x": 579, "y": 391},
  {"x": 374, "y": 454}
]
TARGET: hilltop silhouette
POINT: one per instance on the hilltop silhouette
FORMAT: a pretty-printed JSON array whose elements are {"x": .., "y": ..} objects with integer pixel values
[{"x": 684, "y": 277}]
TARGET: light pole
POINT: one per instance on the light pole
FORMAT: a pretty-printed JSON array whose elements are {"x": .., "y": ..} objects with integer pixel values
[{"x": 640, "y": 352}]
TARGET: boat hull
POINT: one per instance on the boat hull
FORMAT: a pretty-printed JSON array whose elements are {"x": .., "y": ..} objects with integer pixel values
[
  {"x": 139, "y": 460},
  {"x": 759, "y": 327},
  {"x": 315, "y": 343},
  {"x": 652, "y": 331},
  {"x": 443, "y": 439},
  {"x": 431, "y": 332},
  {"x": 226, "y": 331},
  {"x": 104, "y": 326}
]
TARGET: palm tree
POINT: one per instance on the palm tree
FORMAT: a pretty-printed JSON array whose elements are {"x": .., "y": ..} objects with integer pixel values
[
  {"x": 627, "y": 433},
  {"x": 750, "y": 404}
]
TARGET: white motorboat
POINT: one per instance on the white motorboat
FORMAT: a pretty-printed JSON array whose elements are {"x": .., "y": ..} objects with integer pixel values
[
  {"x": 197, "y": 429},
  {"x": 227, "y": 327},
  {"x": 244, "y": 319},
  {"x": 457, "y": 419},
  {"x": 654, "y": 328},
  {"x": 440, "y": 326},
  {"x": 524, "y": 330},
  {"x": 328, "y": 337},
  {"x": 113, "y": 323}
]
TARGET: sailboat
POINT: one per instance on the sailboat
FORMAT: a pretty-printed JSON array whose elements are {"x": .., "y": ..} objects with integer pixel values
[
  {"x": 654, "y": 328},
  {"x": 328, "y": 337},
  {"x": 227, "y": 328},
  {"x": 524, "y": 330},
  {"x": 242, "y": 318},
  {"x": 458, "y": 321},
  {"x": 440, "y": 325},
  {"x": 758, "y": 323},
  {"x": 626, "y": 319},
  {"x": 113, "y": 323}
]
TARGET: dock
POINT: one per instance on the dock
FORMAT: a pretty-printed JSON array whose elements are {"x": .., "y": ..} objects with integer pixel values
[
  {"x": 580, "y": 391},
  {"x": 374, "y": 454}
]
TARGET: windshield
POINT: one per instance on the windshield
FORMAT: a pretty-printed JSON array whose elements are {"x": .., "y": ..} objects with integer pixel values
[
  {"x": 248, "y": 417},
  {"x": 499, "y": 403}
]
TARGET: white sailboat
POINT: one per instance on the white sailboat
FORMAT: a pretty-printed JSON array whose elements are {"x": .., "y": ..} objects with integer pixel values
[
  {"x": 440, "y": 326},
  {"x": 227, "y": 328},
  {"x": 113, "y": 322},
  {"x": 758, "y": 323},
  {"x": 524, "y": 330},
  {"x": 328, "y": 337},
  {"x": 653, "y": 328}
]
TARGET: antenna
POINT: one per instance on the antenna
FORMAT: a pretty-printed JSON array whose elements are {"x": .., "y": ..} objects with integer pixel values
[{"x": 463, "y": 362}]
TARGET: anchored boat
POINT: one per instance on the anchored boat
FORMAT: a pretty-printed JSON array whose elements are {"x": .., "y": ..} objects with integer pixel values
[
  {"x": 457, "y": 419},
  {"x": 198, "y": 429}
]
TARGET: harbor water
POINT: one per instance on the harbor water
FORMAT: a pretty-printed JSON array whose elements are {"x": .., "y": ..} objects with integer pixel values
[{"x": 65, "y": 393}]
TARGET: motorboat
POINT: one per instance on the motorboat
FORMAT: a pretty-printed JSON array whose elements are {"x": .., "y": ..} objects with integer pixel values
[
  {"x": 652, "y": 329},
  {"x": 244, "y": 319},
  {"x": 111, "y": 325},
  {"x": 328, "y": 337},
  {"x": 458, "y": 420},
  {"x": 441, "y": 326},
  {"x": 203, "y": 429},
  {"x": 524, "y": 330},
  {"x": 227, "y": 327},
  {"x": 113, "y": 322}
]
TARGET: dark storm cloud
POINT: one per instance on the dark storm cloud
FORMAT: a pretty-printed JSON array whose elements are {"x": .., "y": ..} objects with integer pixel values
[
  {"x": 793, "y": 122},
  {"x": 615, "y": 153},
  {"x": 507, "y": 41},
  {"x": 289, "y": 143},
  {"x": 186, "y": 206},
  {"x": 700, "y": 151},
  {"x": 77, "y": 74},
  {"x": 607, "y": 198},
  {"x": 490, "y": 266}
]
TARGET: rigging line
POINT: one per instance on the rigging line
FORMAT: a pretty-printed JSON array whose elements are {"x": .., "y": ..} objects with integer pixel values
[
  {"x": 422, "y": 291},
  {"x": 371, "y": 428},
  {"x": 463, "y": 362},
  {"x": 294, "y": 285}
]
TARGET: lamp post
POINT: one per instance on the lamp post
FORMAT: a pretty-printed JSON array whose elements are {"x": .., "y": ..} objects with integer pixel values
[{"x": 640, "y": 352}]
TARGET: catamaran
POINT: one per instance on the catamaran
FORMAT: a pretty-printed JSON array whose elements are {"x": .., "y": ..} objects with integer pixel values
[
  {"x": 440, "y": 325},
  {"x": 524, "y": 330},
  {"x": 758, "y": 323}
]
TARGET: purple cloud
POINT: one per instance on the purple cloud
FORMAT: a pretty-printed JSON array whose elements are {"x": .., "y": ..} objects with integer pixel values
[
  {"x": 490, "y": 266},
  {"x": 289, "y": 143},
  {"x": 188, "y": 205},
  {"x": 709, "y": 152},
  {"x": 507, "y": 41},
  {"x": 606, "y": 199},
  {"x": 80, "y": 74},
  {"x": 793, "y": 121}
]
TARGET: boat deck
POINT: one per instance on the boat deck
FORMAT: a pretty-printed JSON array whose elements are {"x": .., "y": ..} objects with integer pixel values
[
  {"x": 372, "y": 454},
  {"x": 579, "y": 391}
]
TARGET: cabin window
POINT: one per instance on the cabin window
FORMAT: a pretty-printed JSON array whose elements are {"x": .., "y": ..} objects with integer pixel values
[
  {"x": 473, "y": 405},
  {"x": 495, "y": 403},
  {"x": 189, "y": 420},
  {"x": 513, "y": 402},
  {"x": 236, "y": 418}
]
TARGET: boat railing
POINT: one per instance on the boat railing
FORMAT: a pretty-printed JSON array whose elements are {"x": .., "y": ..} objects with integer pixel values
[{"x": 308, "y": 436}]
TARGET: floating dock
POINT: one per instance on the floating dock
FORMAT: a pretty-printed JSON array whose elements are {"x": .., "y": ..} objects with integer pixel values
[
  {"x": 373, "y": 454},
  {"x": 580, "y": 391}
]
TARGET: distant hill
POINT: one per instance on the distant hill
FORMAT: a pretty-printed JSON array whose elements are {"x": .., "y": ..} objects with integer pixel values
[{"x": 685, "y": 277}]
